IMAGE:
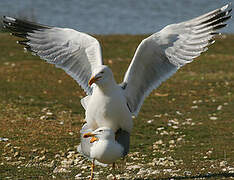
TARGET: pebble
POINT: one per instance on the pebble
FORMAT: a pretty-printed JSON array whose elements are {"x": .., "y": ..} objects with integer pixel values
[
  {"x": 7, "y": 145},
  {"x": 8, "y": 158},
  {"x": 150, "y": 121},
  {"x": 43, "y": 151},
  {"x": 160, "y": 128},
  {"x": 61, "y": 170},
  {"x": 34, "y": 150},
  {"x": 42, "y": 158},
  {"x": 159, "y": 142},
  {"x": 3, "y": 139},
  {"x": 172, "y": 142},
  {"x": 16, "y": 163},
  {"x": 158, "y": 115},
  {"x": 223, "y": 163},
  {"x": 142, "y": 171},
  {"x": 187, "y": 173},
  {"x": 67, "y": 162},
  {"x": 213, "y": 118},
  {"x": 175, "y": 127},
  {"x": 164, "y": 133},
  {"x": 178, "y": 112},
  {"x": 110, "y": 177},
  {"x": 219, "y": 107},
  {"x": 78, "y": 176},
  {"x": 49, "y": 114},
  {"x": 43, "y": 117},
  {"x": 194, "y": 107},
  {"x": 21, "y": 158},
  {"x": 133, "y": 167},
  {"x": 16, "y": 154}
]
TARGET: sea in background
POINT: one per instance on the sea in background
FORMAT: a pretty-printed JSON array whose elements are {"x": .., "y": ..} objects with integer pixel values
[{"x": 111, "y": 16}]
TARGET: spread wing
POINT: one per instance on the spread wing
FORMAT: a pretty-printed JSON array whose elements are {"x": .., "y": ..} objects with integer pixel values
[
  {"x": 159, "y": 56},
  {"x": 75, "y": 52}
]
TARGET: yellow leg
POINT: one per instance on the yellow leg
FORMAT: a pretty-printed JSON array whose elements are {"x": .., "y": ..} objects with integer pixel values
[
  {"x": 113, "y": 166},
  {"x": 92, "y": 169},
  {"x": 113, "y": 169}
]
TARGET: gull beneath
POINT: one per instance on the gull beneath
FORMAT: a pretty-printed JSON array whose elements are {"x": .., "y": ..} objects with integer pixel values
[
  {"x": 157, "y": 57},
  {"x": 105, "y": 148},
  {"x": 108, "y": 147}
]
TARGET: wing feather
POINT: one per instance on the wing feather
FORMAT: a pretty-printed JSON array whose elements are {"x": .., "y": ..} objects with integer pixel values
[
  {"x": 159, "y": 56},
  {"x": 75, "y": 52}
]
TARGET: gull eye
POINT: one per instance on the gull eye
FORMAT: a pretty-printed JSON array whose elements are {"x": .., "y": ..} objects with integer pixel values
[
  {"x": 100, "y": 130},
  {"x": 102, "y": 72}
]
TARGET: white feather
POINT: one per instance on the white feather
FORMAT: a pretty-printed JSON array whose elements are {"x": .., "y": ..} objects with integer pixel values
[{"x": 159, "y": 56}]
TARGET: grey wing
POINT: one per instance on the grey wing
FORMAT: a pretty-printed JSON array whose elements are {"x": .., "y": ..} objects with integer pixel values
[
  {"x": 75, "y": 52},
  {"x": 123, "y": 138},
  {"x": 159, "y": 56}
]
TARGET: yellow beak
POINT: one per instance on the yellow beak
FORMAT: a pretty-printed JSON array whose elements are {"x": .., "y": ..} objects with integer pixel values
[
  {"x": 93, "y": 139},
  {"x": 93, "y": 80}
]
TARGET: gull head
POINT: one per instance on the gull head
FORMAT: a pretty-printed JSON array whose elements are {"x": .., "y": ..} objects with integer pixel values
[
  {"x": 102, "y": 133},
  {"x": 101, "y": 75}
]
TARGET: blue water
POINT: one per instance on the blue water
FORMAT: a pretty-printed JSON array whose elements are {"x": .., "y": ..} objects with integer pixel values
[{"x": 111, "y": 16}]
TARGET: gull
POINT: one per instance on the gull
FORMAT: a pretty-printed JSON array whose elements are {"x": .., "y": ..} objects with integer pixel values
[
  {"x": 108, "y": 147},
  {"x": 105, "y": 148},
  {"x": 159, "y": 56}
]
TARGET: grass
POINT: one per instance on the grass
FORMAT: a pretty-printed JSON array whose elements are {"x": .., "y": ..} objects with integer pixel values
[{"x": 185, "y": 127}]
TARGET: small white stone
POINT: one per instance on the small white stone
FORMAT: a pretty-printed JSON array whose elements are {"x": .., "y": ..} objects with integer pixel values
[
  {"x": 160, "y": 128},
  {"x": 159, "y": 142},
  {"x": 71, "y": 133},
  {"x": 223, "y": 163},
  {"x": 142, "y": 172},
  {"x": 150, "y": 121},
  {"x": 110, "y": 177},
  {"x": 133, "y": 167},
  {"x": 178, "y": 112},
  {"x": 3, "y": 139},
  {"x": 187, "y": 173},
  {"x": 42, "y": 117},
  {"x": 78, "y": 176},
  {"x": 213, "y": 118},
  {"x": 16, "y": 154},
  {"x": 219, "y": 107},
  {"x": 172, "y": 142},
  {"x": 158, "y": 115},
  {"x": 60, "y": 170},
  {"x": 194, "y": 107},
  {"x": 49, "y": 113},
  {"x": 179, "y": 139},
  {"x": 42, "y": 158}
]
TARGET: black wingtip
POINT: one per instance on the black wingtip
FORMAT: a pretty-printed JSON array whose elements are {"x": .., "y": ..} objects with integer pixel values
[
  {"x": 21, "y": 27},
  {"x": 24, "y": 42},
  {"x": 21, "y": 35},
  {"x": 8, "y": 18},
  {"x": 221, "y": 20},
  {"x": 219, "y": 26}
]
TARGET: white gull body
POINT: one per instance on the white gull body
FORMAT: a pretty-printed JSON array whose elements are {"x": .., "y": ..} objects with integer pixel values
[
  {"x": 107, "y": 107},
  {"x": 105, "y": 149}
]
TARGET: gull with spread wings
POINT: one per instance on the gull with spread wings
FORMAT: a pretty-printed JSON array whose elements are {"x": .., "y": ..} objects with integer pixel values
[{"x": 107, "y": 103}]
